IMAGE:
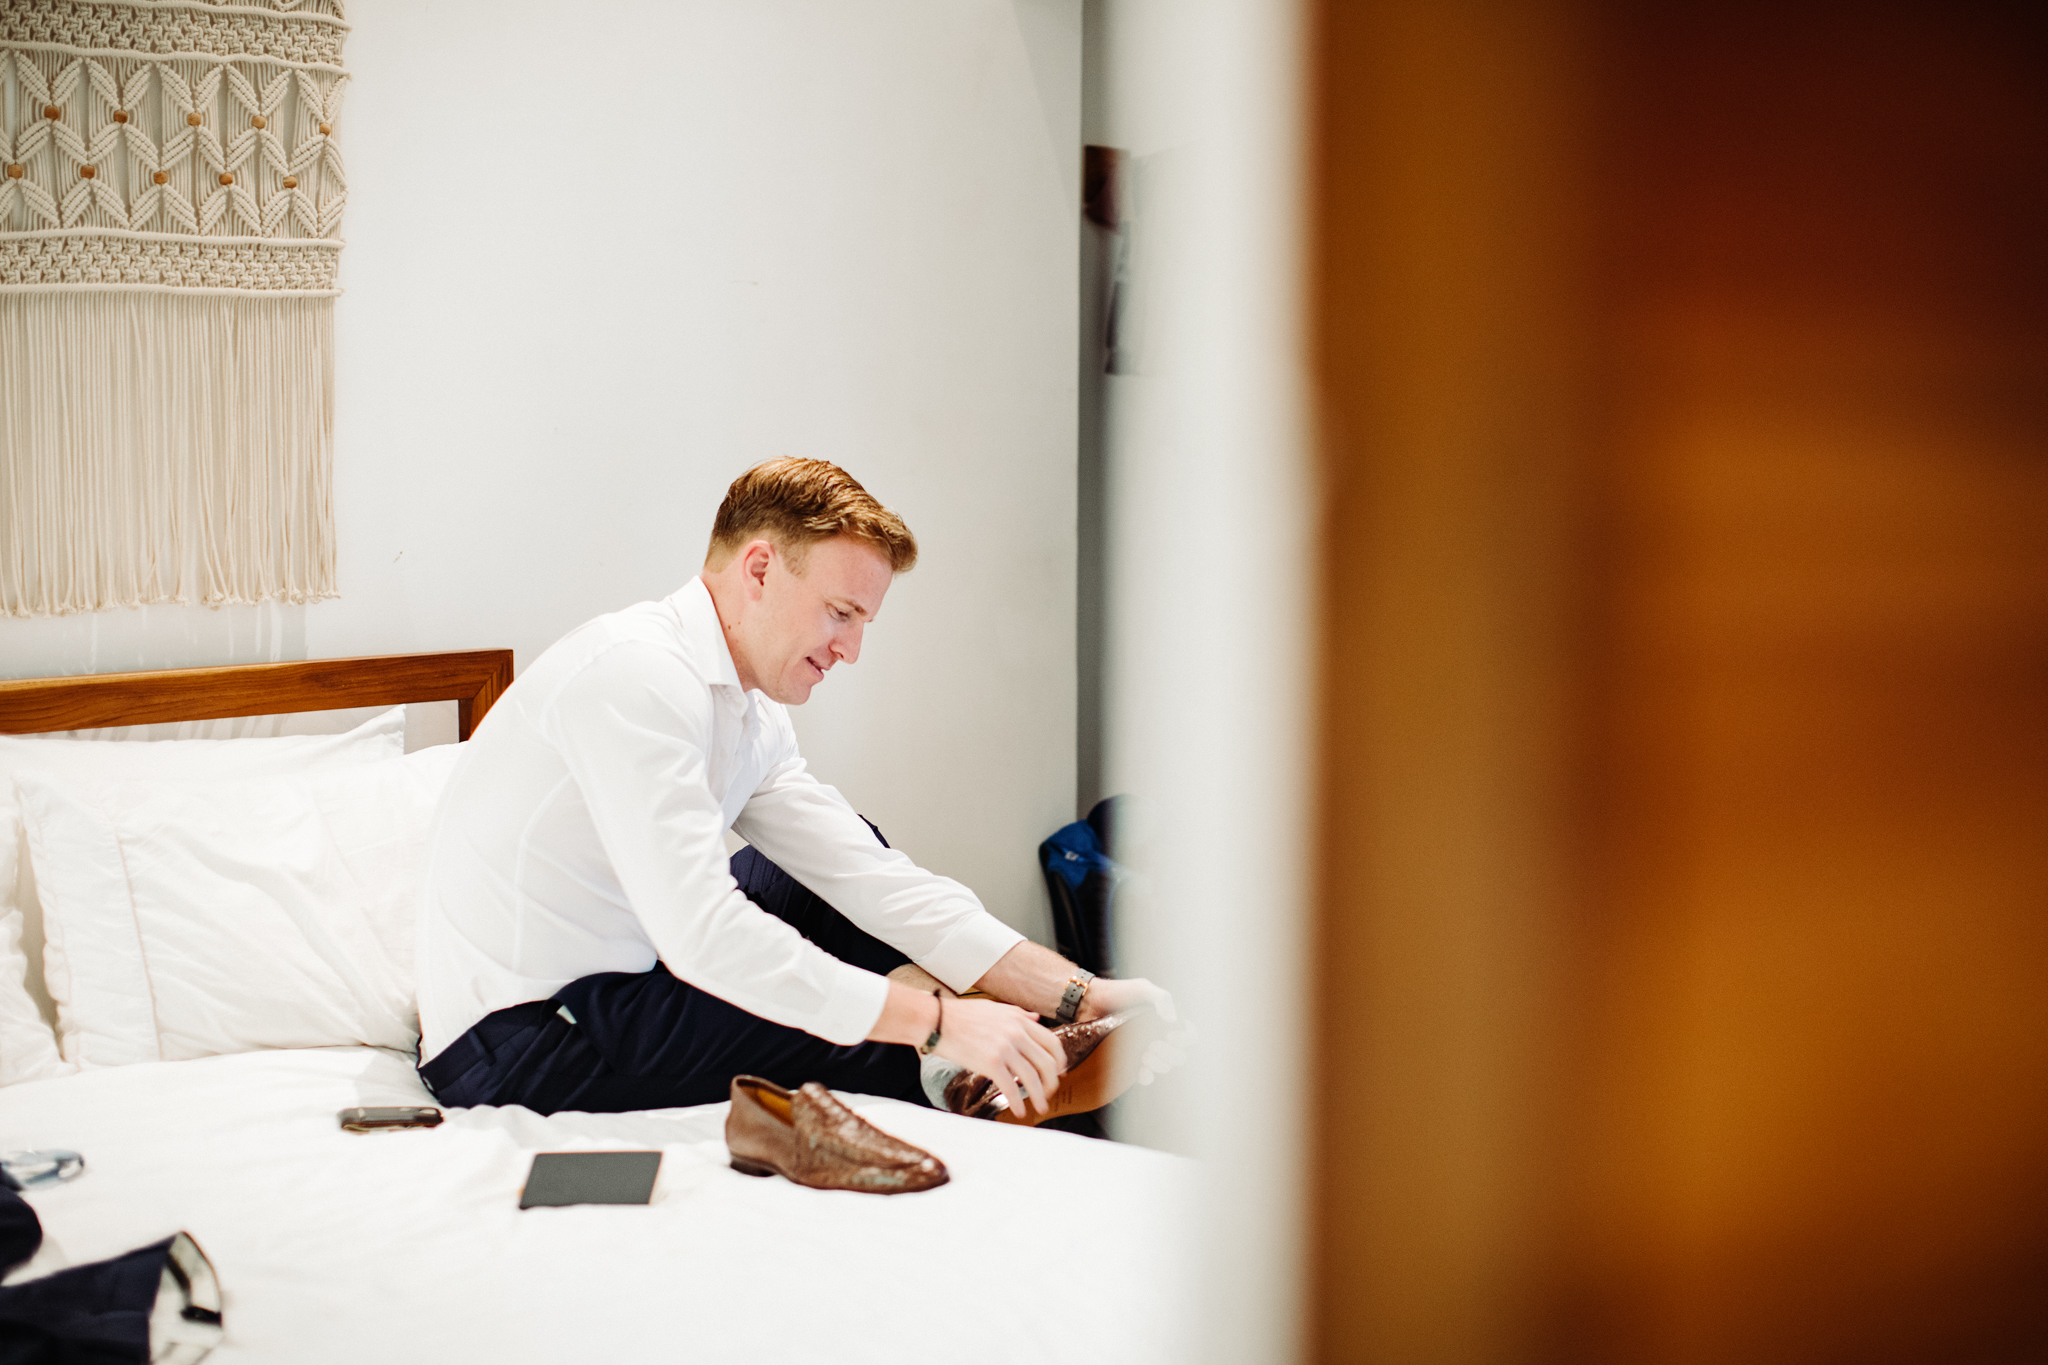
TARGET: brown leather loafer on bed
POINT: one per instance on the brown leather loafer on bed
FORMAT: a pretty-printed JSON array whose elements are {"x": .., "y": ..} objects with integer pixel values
[
  {"x": 1103, "y": 1057},
  {"x": 811, "y": 1138}
]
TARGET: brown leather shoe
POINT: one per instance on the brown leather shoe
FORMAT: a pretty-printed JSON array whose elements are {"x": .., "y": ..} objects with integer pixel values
[
  {"x": 1103, "y": 1057},
  {"x": 811, "y": 1138}
]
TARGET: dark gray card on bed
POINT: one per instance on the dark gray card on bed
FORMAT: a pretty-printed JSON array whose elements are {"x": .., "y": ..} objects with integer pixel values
[{"x": 590, "y": 1178}]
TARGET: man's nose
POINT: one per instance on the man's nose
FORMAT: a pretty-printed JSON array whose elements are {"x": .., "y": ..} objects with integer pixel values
[{"x": 846, "y": 644}]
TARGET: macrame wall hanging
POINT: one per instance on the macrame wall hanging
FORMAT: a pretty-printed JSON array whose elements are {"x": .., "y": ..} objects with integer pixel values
[{"x": 170, "y": 202}]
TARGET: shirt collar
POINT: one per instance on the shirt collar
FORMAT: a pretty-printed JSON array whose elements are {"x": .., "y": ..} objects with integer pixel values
[{"x": 703, "y": 637}]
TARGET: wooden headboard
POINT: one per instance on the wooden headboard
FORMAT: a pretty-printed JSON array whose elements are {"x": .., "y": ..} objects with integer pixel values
[{"x": 474, "y": 679}]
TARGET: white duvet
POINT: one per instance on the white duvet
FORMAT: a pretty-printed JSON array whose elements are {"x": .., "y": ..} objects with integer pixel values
[{"x": 334, "y": 1246}]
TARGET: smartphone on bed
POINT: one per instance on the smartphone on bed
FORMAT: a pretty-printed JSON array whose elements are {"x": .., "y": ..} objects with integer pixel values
[{"x": 375, "y": 1120}]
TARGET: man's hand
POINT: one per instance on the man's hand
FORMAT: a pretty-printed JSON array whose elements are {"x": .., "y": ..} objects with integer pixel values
[
  {"x": 1002, "y": 1042},
  {"x": 1035, "y": 978},
  {"x": 1007, "y": 1045},
  {"x": 1106, "y": 996}
]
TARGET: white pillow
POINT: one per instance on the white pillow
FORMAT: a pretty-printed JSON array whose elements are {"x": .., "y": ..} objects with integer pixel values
[
  {"x": 28, "y": 1048},
  {"x": 188, "y": 921}
]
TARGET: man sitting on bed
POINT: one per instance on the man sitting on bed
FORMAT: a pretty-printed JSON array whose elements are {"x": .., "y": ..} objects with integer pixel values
[{"x": 584, "y": 942}]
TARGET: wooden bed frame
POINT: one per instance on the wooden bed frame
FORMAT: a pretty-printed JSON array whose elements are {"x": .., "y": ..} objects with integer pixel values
[{"x": 473, "y": 679}]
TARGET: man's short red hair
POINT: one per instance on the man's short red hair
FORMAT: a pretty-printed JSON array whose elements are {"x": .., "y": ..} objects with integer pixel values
[{"x": 796, "y": 503}]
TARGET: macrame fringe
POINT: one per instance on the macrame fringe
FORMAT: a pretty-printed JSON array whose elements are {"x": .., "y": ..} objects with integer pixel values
[{"x": 154, "y": 448}]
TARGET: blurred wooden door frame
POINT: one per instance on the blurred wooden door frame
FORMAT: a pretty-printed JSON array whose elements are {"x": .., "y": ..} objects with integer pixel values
[{"x": 1682, "y": 922}]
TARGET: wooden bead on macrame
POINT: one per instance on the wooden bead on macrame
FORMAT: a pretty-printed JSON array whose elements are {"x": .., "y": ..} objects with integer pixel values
[
  {"x": 161, "y": 177},
  {"x": 227, "y": 177},
  {"x": 256, "y": 121},
  {"x": 87, "y": 172},
  {"x": 324, "y": 129},
  {"x": 120, "y": 116},
  {"x": 291, "y": 182},
  {"x": 52, "y": 111},
  {"x": 14, "y": 170},
  {"x": 195, "y": 118}
]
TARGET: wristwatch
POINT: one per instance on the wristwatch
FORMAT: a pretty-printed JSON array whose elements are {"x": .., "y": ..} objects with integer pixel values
[{"x": 1070, "y": 1000}]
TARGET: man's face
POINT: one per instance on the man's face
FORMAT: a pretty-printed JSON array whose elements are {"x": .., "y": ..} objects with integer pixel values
[{"x": 809, "y": 621}]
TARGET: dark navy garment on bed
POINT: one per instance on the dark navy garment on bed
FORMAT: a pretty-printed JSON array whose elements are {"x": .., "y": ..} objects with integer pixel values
[
  {"x": 647, "y": 1040},
  {"x": 97, "y": 1314}
]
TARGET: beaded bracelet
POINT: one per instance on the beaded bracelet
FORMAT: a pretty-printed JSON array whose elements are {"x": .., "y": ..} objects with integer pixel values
[{"x": 937, "y": 1026}]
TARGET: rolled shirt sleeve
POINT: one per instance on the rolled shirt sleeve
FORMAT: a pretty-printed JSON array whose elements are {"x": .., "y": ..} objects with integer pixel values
[
  {"x": 634, "y": 729},
  {"x": 810, "y": 831}
]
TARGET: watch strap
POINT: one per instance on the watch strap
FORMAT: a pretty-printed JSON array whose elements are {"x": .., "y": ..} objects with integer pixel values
[{"x": 1070, "y": 999}]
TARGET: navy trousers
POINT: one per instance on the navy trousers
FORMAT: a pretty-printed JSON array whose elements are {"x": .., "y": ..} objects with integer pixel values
[
  {"x": 648, "y": 1040},
  {"x": 96, "y": 1314}
]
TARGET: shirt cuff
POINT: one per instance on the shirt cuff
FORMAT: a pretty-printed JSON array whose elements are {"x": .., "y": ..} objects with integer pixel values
[
  {"x": 964, "y": 956},
  {"x": 856, "y": 1005}
]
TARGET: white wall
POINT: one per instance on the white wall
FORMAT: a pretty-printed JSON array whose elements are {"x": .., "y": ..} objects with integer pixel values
[
  {"x": 602, "y": 257},
  {"x": 1211, "y": 598}
]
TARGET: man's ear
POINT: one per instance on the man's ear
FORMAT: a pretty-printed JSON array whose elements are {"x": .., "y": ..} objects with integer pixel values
[{"x": 754, "y": 562}]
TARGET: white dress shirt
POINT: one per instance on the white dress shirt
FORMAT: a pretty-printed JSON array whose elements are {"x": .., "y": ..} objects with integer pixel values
[{"x": 583, "y": 831}]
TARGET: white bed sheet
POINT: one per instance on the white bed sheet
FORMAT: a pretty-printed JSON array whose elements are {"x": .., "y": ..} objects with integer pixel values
[{"x": 1043, "y": 1247}]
